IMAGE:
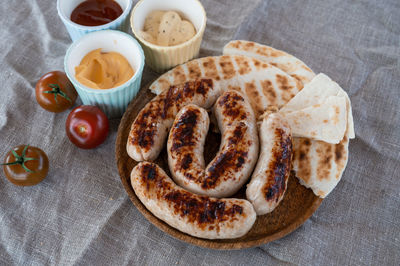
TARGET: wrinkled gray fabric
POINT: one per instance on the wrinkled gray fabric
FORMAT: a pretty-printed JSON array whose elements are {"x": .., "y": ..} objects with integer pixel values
[{"x": 80, "y": 214}]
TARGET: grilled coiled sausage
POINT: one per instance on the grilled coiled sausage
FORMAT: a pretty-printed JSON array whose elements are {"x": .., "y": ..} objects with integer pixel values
[
  {"x": 238, "y": 153},
  {"x": 199, "y": 216},
  {"x": 151, "y": 126},
  {"x": 269, "y": 180}
]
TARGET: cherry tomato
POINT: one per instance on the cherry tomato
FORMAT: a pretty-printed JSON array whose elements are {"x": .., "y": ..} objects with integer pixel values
[
  {"x": 87, "y": 126},
  {"x": 26, "y": 165},
  {"x": 55, "y": 93}
]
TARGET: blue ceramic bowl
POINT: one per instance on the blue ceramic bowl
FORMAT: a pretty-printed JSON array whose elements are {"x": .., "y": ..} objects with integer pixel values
[
  {"x": 112, "y": 101},
  {"x": 76, "y": 31}
]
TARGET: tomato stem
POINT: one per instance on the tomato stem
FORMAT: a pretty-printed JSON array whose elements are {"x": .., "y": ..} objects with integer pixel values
[
  {"x": 56, "y": 90},
  {"x": 21, "y": 160}
]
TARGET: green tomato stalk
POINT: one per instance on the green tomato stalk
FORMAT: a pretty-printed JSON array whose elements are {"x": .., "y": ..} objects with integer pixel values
[
  {"x": 57, "y": 91},
  {"x": 21, "y": 159}
]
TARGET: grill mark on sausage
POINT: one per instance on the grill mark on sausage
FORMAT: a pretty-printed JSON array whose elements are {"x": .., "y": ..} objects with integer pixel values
[
  {"x": 189, "y": 176},
  {"x": 144, "y": 131},
  {"x": 144, "y": 128},
  {"x": 232, "y": 158},
  {"x": 177, "y": 94},
  {"x": 186, "y": 161},
  {"x": 150, "y": 177},
  {"x": 184, "y": 138},
  {"x": 201, "y": 210},
  {"x": 232, "y": 104},
  {"x": 279, "y": 168},
  {"x": 184, "y": 128},
  {"x": 234, "y": 153}
]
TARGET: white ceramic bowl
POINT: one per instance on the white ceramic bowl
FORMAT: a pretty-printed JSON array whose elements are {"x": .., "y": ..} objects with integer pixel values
[
  {"x": 115, "y": 100},
  {"x": 161, "y": 58},
  {"x": 65, "y": 8}
]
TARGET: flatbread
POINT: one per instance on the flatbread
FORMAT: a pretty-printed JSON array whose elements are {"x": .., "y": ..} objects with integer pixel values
[
  {"x": 318, "y": 165},
  {"x": 262, "y": 83},
  {"x": 317, "y": 92},
  {"x": 288, "y": 63},
  {"x": 326, "y": 121}
]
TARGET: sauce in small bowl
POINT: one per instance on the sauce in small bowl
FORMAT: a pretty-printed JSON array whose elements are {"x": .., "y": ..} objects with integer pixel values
[
  {"x": 161, "y": 58},
  {"x": 65, "y": 9},
  {"x": 113, "y": 101},
  {"x": 96, "y": 12}
]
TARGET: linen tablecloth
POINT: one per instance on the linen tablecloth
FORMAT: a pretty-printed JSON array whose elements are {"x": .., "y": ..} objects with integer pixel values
[{"x": 80, "y": 214}]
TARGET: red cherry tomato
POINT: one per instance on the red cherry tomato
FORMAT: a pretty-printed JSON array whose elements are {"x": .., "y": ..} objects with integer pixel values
[
  {"x": 87, "y": 126},
  {"x": 26, "y": 165},
  {"x": 54, "y": 92}
]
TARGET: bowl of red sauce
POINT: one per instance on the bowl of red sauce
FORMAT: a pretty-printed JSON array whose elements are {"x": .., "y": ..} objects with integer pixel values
[{"x": 83, "y": 16}]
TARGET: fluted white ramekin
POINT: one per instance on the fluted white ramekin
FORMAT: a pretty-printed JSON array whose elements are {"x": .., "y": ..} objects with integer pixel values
[
  {"x": 112, "y": 101},
  {"x": 65, "y": 8},
  {"x": 161, "y": 58}
]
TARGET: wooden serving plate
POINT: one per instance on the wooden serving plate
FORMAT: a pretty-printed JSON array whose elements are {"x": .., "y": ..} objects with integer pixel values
[{"x": 298, "y": 204}]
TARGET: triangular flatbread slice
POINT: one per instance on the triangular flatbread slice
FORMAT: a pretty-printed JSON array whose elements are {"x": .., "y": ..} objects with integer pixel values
[
  {"x": 316, "y": 92},
  {"x": 326, "y": 121}
]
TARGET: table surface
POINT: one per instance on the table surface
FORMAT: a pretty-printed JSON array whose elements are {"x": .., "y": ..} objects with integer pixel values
[{"x": 80, "y": 214}]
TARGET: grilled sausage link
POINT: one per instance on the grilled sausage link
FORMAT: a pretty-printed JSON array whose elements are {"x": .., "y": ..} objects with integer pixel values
[
  {"x": 269, "y": 180},
  {"x": 238, "y": 153},
  {"x": 149, "y": 130},
  {"x": 199, "y": 216}
]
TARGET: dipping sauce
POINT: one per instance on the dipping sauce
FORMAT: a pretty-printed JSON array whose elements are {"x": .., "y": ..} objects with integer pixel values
[
  {"x": 103, "y": 70},
  {"x": 167, "y": 28},
  {"x": 96, "y": 12}
]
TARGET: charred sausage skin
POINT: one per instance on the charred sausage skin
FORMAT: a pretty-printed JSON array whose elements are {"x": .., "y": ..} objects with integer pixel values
[
  {"x": 199, "y": 216},
  {"x": 269, "y": 180},
  {"x": 151, "y": 126},
  {"x": 238, "y": 153}
]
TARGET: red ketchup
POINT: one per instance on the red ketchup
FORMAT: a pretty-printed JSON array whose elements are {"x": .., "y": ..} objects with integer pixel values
[{"x": 96, "y": 12}]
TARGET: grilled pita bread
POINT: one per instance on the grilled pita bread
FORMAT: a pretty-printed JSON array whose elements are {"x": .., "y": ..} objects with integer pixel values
[
  {"x": 318, "y": 165},
  {"x": 288, "y": 63},
  {"x": 264, "y": 84},
  {"x": 326, "y": 121},
  {"x": 316, "y": 93}
]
